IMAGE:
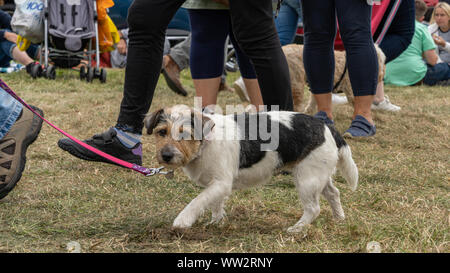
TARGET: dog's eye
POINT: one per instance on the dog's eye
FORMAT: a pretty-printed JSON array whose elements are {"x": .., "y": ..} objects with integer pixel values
[{"x": 162, "y": 132}]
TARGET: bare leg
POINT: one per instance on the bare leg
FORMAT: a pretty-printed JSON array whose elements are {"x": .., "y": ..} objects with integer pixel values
[
  {"x": 362, "y": 107},
  {"x": 379, "y": 96},
  {"x": 254, "y": 92},
  {"x": 21, "y": 56},
  {"x": 324, "y": 103},
  {"x": 207, "y": 89}
]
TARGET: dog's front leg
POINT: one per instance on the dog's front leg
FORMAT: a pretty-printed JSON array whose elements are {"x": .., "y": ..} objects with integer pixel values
[
  {"x": 218, "y": 211},
  {"x": 215, "y": 192}
]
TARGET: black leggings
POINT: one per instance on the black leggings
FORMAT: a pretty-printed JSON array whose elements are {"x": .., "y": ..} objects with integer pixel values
[
  {"x": 253, "y": 27},
  {"x": 353, "y": 16}
]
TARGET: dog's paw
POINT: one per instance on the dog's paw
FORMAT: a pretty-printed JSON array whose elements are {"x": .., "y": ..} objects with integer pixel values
[
  {"x": 297, "y": 229},
  {"x": 339, "y": 217},
  {"x": 217, "y": 220},
  {"x": 182, "y": 222}
]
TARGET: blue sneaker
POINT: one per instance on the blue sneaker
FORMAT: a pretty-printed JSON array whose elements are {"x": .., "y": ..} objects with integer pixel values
[
  {"x": 360, "y": 127},
  {"x": 323, "y": 117}
]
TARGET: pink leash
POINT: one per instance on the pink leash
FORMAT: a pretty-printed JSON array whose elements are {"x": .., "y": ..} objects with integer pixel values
[{"x": 135, "y": 167}]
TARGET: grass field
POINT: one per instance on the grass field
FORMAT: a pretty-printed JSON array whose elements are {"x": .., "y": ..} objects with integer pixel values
[{"x": 402, "y": 200}]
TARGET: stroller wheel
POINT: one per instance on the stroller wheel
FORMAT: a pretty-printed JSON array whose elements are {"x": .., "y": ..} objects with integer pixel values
[
  {"x": 90, "y": 74},
  {"x": 83, "y": 73},
  {"x": 36, "y": 71},
  {"x": 102, "y": 75},
  {"x": 50, "y": 72}
]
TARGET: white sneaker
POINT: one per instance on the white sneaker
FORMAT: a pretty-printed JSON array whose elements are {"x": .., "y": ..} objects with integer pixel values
[
  {"x": 385, "y": 105},
  {"x": 241, "y": 90},
  {"x": 337, "y": 99}
]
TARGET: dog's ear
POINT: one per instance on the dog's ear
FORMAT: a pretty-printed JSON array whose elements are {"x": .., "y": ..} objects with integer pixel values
[
  {"x": 208, "y": 125},
  {"x": 152, "y": 120}
]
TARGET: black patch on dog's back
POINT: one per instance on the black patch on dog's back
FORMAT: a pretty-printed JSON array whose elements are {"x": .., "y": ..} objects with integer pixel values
[
  {"x": 340, "y": 142},
  {"x": 294, "y": 144},
  {"x": 250, "y": 151}
]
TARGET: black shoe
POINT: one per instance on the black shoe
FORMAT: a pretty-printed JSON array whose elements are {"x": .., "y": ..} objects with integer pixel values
[{"x": 106, "y": 142}]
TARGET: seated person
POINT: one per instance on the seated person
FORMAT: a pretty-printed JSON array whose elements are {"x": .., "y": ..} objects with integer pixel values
[
  {"x": 9, "y": 50},
  {"x": 439, "y": 30},
  {"x": 409, "y": 68}
]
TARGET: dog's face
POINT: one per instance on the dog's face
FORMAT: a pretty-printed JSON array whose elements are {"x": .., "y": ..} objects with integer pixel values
[{"x": 179, "y": 132}]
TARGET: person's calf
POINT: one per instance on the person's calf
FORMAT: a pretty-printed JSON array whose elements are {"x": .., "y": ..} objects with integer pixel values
[{"x": 363, "y": 107}]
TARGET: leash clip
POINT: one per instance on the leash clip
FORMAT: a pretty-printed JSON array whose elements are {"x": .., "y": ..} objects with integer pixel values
[{"x": 154, "y": 171}]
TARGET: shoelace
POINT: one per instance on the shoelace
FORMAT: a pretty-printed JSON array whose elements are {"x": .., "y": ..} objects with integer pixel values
[{"x": 143, "y": 170}]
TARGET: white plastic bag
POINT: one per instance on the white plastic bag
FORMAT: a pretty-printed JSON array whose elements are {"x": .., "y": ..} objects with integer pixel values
[{"x": 27, "y": 20}]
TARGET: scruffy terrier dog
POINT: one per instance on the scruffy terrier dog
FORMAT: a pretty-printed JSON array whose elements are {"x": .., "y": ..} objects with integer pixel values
[
  {"x": 228, "y": 152},
  {"x": 294, "y": 57}
]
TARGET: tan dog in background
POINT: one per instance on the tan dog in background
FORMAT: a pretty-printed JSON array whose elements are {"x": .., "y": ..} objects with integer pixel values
[{"x": 294, "y": 57}]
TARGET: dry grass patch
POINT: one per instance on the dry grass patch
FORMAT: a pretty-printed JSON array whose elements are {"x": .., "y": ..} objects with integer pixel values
[{"x": 401, "y": 201}]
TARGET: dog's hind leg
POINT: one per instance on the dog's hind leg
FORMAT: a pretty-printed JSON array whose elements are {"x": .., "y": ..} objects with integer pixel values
[
  {"x": 310, "y": 182},
  {"x": 309, "y": 195},
  {"x": 331, "y": 193},
  {"x": 311, "y": 175}
]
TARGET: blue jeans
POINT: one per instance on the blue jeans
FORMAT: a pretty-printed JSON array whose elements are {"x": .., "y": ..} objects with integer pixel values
[
  {"x": 437, "y": 73},
  {"x": 9, "y": 112},
  {"x": 288, "y": 19}
]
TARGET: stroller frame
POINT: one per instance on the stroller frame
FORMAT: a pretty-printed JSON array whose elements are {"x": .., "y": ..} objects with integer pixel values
[{"x": 88, "y": 73}]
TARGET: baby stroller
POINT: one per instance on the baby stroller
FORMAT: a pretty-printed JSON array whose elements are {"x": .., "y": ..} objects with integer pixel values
[{"x": 70, "y": 27}]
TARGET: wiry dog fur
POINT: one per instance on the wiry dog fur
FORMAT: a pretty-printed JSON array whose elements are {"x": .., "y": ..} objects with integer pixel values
[
  {"x": 294, "y": 57},
  {"x": 307, "y": 147}
]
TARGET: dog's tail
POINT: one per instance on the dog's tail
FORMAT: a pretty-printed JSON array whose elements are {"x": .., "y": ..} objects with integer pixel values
[{"x": 345, "y": 165}]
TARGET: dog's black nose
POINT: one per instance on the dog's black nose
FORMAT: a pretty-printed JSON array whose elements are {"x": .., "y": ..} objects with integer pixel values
[{"x": 166, "y": 156}]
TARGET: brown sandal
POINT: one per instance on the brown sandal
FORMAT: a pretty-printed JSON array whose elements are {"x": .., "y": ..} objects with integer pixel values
[{"x": 13, "y": 148}]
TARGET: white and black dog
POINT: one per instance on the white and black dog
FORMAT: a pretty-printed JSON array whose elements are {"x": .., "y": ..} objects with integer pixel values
[{"x": 229, "y": 152}]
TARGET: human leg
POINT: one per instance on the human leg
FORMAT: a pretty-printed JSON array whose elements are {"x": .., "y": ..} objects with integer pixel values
[
  {"x": 400, "y": 32},
  {"x": 382, "y": 102},
  {"x": 180, "y": 53},
  {"x": 354, "y": 22},
  {"x": 174, "y": 62},
  {"x": 437, "y": 73},
  {"x": 255, "y": 31},
  {"x": 9, "y": 112},
  {"x": 207, "y": 51},
  {"x": 248, "y": 73},
  {"x": 286, "y": 23},
  {"x": 19, "y": 128},
  {"x": 318, "y": 53},
  {"x": 147, "y": 22}
]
